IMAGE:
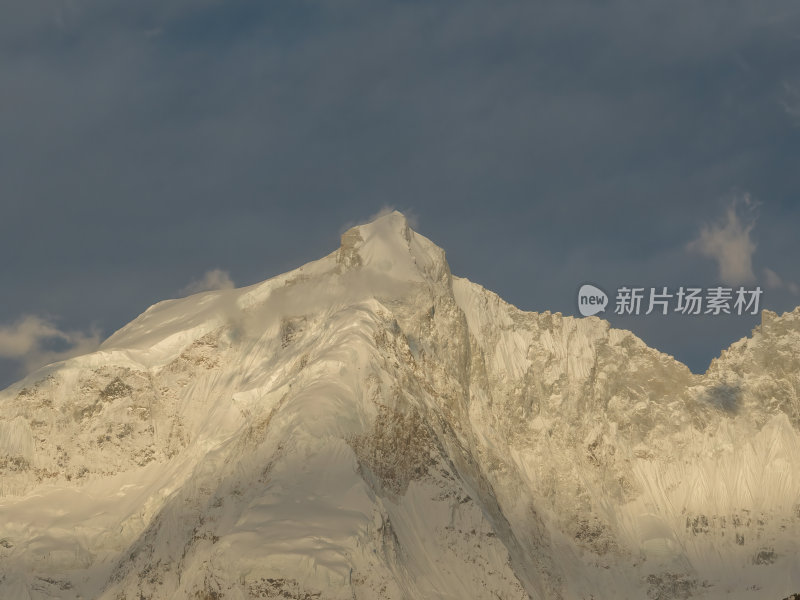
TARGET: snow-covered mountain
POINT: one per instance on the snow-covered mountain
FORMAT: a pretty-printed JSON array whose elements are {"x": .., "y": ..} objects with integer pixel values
[{"x": 370, "y": 427}]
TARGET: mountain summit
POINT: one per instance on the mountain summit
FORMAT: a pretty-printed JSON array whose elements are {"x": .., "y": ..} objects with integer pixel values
[
  {"x": 369, "y": 426},
  {"x": 389, "y": 246}
]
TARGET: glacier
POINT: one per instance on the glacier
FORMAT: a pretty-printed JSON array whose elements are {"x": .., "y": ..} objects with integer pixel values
[{"x": 370, "y": 426}]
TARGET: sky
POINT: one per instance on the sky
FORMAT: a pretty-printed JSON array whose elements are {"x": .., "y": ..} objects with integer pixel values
[{"x": 152, "y": 149}]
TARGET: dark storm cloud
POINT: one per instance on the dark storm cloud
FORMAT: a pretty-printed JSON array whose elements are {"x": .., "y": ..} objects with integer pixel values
[{"x": 145, "y": 144}]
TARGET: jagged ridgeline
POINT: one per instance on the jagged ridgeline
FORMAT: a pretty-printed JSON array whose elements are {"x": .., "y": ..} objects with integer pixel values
[{"x": 370, "y": 426}]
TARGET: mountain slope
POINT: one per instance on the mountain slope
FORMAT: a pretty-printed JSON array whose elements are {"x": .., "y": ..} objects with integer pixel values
[{"x": 369, "y": 426}]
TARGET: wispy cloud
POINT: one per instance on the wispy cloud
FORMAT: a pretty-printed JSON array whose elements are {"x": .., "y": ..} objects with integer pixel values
[
  {"x": 215, "y": 279},
  {"x": 772, "y": 279},
  {"x": 776, "y": 282},
  {"x": 728, "y": 242},
  {"x": 35, "y": 341},
  {"x": 790, "y": 100}
]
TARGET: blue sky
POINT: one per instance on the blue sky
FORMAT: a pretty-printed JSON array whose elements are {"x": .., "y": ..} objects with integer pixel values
[{"x": 143, "y": 145}]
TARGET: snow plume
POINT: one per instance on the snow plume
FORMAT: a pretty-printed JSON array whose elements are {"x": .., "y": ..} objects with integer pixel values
[
  {"x": 386, "y": 209},
  {"x": 31, "y": 341},
  {"x": 215, "y": 279},
  {"x": 411, "y": 217},
  {"x": 728, "y": 242}
]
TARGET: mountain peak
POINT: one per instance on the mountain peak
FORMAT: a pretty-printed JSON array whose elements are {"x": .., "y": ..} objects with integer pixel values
[
  {"x": 366, "y": 426},
  {"x": 389, "y": 246}
]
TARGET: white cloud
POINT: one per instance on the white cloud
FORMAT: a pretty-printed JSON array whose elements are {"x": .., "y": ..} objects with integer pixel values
[
  {"x": 215, "y": 279},
  {"x": 27, "y": 341},
  {"x": 728, "y": 243},
  {"x": 19, "y": 339}
]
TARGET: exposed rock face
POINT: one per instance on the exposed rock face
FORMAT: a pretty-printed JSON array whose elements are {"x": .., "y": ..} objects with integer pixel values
[{"x": 369, "y": 426}]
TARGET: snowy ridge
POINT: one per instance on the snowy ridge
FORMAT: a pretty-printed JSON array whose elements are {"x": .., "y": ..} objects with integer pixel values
[{"x": 368, "y": 426}]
